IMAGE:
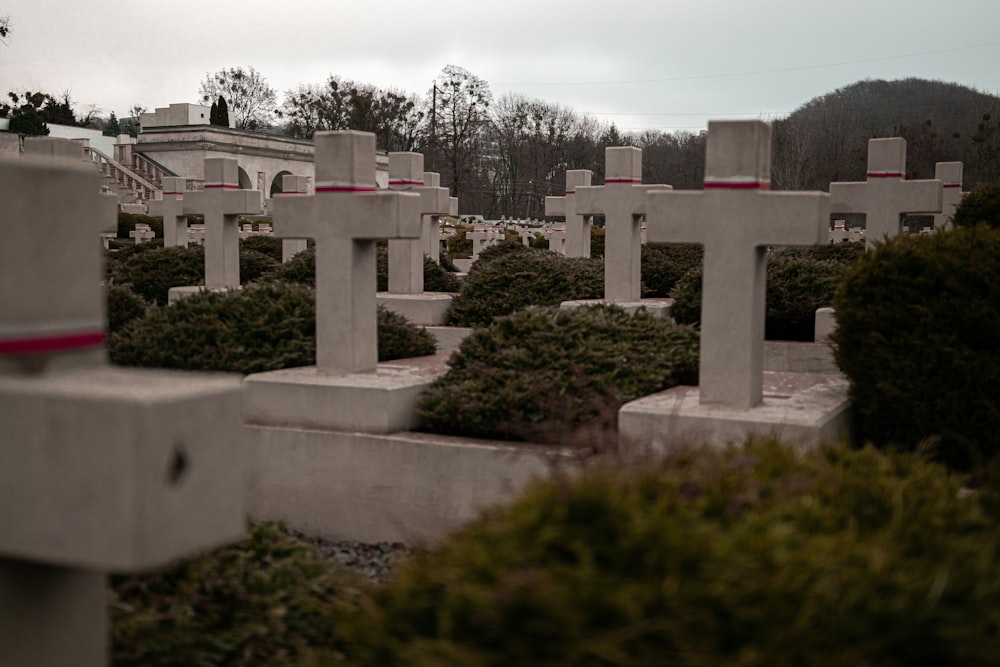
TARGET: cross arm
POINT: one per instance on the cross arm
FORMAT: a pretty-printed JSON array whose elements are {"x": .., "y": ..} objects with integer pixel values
[
  {"x": 848, "y": 197},
  {"x": 384, "y": 215},
  {"x": 675, "y": 217},
  {"x": 791, "y": 218},
  {"x": 555, "y": 206},
  {"x": 434, "y": 201},
  {"x": 295, "y": 217},
  {"x": 924, "y": 196}
]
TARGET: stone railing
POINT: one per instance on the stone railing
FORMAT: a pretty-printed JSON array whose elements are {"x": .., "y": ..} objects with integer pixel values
[{"x": 124, "y": 177}]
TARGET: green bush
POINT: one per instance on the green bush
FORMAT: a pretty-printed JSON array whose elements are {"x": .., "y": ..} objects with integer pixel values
[
  {"x": 495, "y": 252},
  {"x": 128, "y": 221},
  {"x": 265, "y": 326},
  {"x": 523, "y": 278},
  {"x": 664, "y": 265},
  {"x": 300, "y": 269},
  {"x": 269, "y": 600},
  {"x": 756, "y": 557},
  {"x": 254, "y": 265},
  {"x": 981, "y": 206},
  {"x": 543, "y": 374},
  {"x": 151, "y": 272},
  {"x": 124, "y": 305},
  {"x": 398, "y": 338},
  {"x": 268, "y": 245},
  {"x": 596, "y": 241},
  {"x": 460, "y": 247},
  {"x": 918, "y": 336},
  {"x": 798, "y": 283},
  {"x": 438, "y": 279}
]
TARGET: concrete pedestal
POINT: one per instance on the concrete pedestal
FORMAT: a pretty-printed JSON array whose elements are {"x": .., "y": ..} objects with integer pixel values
[
  {"x": 402, "y": 487},
  {"x": 803, "y": 410},
  {"x": 382, "y": 401},
  {"x": 659, "y": 307},
  {"x": 449, "y": 339},
  {"x": 426, "y": 308}
]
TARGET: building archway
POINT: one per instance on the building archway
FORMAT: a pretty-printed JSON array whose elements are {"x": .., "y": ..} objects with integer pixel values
[
  {"x": 276, "y": 184},
  {"x": 245, "y": 182}
]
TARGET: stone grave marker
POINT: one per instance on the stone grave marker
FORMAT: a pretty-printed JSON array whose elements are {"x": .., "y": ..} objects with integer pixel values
[
  {"x": 171, "y": 208},
  {"x": 886, "y": 195},
  {"x": 292, "y": 185},
  {"x": 735, "y": 218},
  {"x": 222, "y": 203},
  {"x": 558, "y": 239},
  {"x": 142, "y": 233},
  {"x": 406, "y": 256},
  {"x": 621, "y": 200},
  {"x": 577, "y": 226},
  {"x": 102, "y": 469},
  {"x": 950, "y": 175}
]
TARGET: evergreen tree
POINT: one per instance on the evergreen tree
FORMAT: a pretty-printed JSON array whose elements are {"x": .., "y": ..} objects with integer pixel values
[
  {"x": 113, "y": 128},
  {"x": 213, "y": 114},
  {"x": 223, "y": 112},
  {"x": 26, "y": 120}
]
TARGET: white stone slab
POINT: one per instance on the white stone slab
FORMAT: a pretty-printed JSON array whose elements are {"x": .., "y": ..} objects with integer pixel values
[
  {"x": 803, "y": 410},
  {"x": 426, "y": 308},
  {"x": 382, "y": 401}
]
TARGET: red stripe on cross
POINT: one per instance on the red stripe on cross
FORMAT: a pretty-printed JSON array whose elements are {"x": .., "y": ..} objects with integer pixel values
[
  {"x": 952, "y": 185},
  {"x": 343, "y": 188},
  {"x": 885, "y": 174},
  {"x": 406, "y": 182},
  {"x": 622, "y": 180},
  {"x": 56, "y": 343},
  {"x": 221, "y": 186}
]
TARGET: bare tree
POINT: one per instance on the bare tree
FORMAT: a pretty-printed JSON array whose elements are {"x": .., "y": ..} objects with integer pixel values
[
  {"x": 5, "y": 27},
  {"x": 251, "y": 100},
  {"x": 459, "y": 101}
]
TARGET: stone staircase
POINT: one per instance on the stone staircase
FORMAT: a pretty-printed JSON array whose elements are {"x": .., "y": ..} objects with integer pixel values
[{"x": 132, "y": 176}]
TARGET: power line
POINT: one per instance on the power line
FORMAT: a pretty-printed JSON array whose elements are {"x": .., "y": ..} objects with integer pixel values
[{"x": 752, "y": 72}]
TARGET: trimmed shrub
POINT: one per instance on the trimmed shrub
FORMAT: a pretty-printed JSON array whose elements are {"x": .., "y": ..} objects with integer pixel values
[
  {"x": 267, "y": 245},
  {"x": 438, "y": 279},
  {"x": 460, "y": 247},
  {"x": 269, "y": 600},
  {"x": 300, "y": 269},
  {"x": 523, "y": 278},
  {"x": 265, "y": 326},
  {"x": 918, "y": 336},
  {"x": 798, "y": 283},
  {"x": 398, "y": 338},
  {"x": 544, "y": 375},
  {"x": 756, "y": 557},
  {"x": 539, "y": 242},
  {"x": 124, "y": 305},
  {"x": 496, "y": 251},
  {"x": 981, "y": 206},
  {"x": 260, "y": 328},
  {"x": 596, "y": 241},
  {"x": 128, "y": 221},
  {"x": 664, "y": 265},
  {"x": 254, "y": 265},
  {"x": 151, "y": 272}
]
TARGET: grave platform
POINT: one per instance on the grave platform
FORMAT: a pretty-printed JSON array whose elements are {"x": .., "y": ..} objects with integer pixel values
[
  {"x": 380, "y": 401},
  {"x": 657, "y": 307},
  {"x": 449, "y": 339},
  {"x": 801, "y": 409},
  {"x": 175, "y": 294},
  {"x": 426, "y": 308}
]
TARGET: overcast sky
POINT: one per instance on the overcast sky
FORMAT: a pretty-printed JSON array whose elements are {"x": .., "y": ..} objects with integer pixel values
[{"x": 659, "y": 64}]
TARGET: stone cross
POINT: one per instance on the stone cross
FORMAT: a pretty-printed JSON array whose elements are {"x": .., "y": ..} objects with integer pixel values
[
  {"x": 142, "y": 233},
  {"x": 735, "y": 218},
  {"x": 885, "y": 196},
  {"x": 950, "y": 175},
  {"x": 102, "y": 469},
  {"x": 577, "y": 226},
  {"x": 557, "y": 238},
  {"x": 406, "y": 257},
  {"x": 621, "y": 200},
  {"x": 345, "y": 217},
  {"x": 171, "y": 208},
  {"x": 481, "y": 239},
  {"x": 222, "y": 203},
  {"x": 432, "y": 225},
  {"x": 293, "y": 185}
]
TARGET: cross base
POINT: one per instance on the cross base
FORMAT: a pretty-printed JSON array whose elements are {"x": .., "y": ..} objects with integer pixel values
[
  {"x": 383, "y": 401},
  {"x": 803, "y": 410},
  {"x": 426, "y": 308},
  {"x": 657, "y": 307}
]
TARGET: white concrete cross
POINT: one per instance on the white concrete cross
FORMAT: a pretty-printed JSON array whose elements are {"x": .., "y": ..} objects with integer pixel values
[
  {"x": 481, "y": 239},
  {"x": 406, "y": 257},
  {"x": 577, "y": 226},
  {"x": 345, "y": 217},
  {"x": 557, "y": 237},
  {"x": 735, "y": 218},
  {"x": 222, "y": 203},
  {"x": 839, "y": 233},
  {"x": 171, "y": 209},
  {"x": 432, "y": 225},
  {"x": 886, "y": 195},
  {"x": 621, "y": 200},
  {"x": 292, "y": 185},
  {"x": 142, "y": 233},
  {"x": 950, "y": 175}
]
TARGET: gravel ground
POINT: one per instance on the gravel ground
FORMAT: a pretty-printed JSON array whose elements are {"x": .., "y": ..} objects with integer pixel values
[{"x": 372, "y": 561}]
